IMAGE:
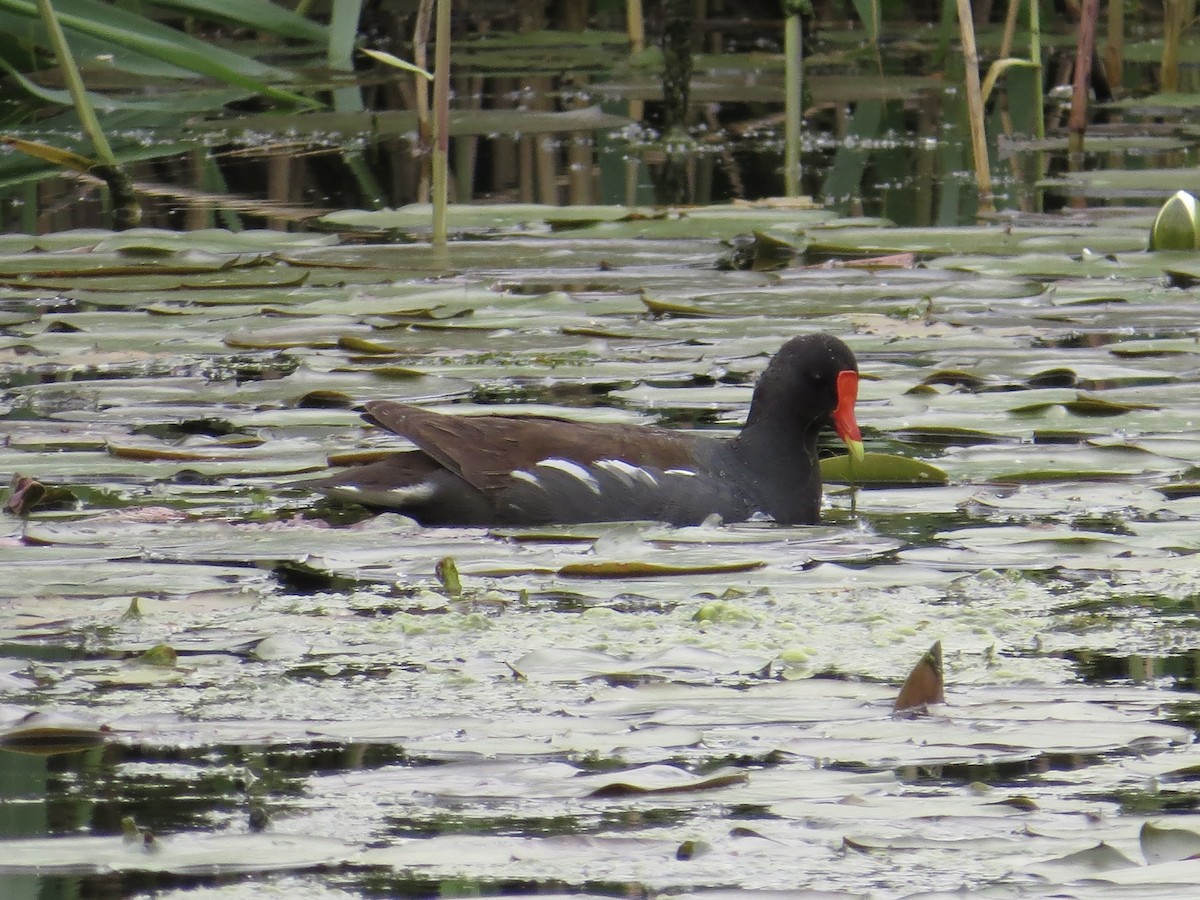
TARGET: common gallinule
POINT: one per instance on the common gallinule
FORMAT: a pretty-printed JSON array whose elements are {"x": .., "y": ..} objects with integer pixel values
[{"x": 525, "y": 470}]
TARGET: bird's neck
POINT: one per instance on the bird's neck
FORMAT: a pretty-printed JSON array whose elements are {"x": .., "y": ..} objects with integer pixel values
[
  {"x": 788, "y": 472},
  {"x": 777, "y": 440}
]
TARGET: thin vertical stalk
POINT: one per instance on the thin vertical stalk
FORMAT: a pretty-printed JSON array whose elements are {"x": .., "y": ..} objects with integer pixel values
[
  {"x": 343, "y": 30},
  {"x": 1010, "y": 28},
  {"x": 1084, "y": 48},
  {"x": 128, "y": 213},
  {"x": 793, "y": 101},
  {"x": 466, "y": 147},
  {"x": 868, "y": 14},
  {"x": 1035, "y": 57},
  {"x": 983, "y": 175},
  {"x": 279, "y": 181},
  {"x": 1114, "y": 50},
  {"x": 679, "y": 17},
  {"x": 633, "y": 164},
  {"x": 581, "y": 158},
  {"x": 945, "y": 35},
  {"x": 678, "y": 21},
  {"x": 635, "y": 20},
  {"x": 1168, "y": 68},
  {"x": 441, "y": 120},
  {"x": 1176, "y": 15},
  {"x": 424, "y": 130},
  {"x": 504, "y": 148},
  {"x": 198, "y": 215},
  {"x": 635, "y": 24},
  {"x": 545, "y": 149},
  {"x": 83, "y": 107}
]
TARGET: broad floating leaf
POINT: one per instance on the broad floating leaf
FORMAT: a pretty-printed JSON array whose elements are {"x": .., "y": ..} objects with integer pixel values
[
  {"x": 955, "y": 378},
  {"x": 1168, "y": 844},
  {"x": 356, "y": 344},
  {"x": 1179, "y": 489},
  {"x": 1103, "y": 857},
  {"x": 46, "y": 735},
  {"x": 676, "y": 310},
  {"x": 1084, "y": 405},
  {"x": 881, "y": 469},
  {"x": 652, "y": 570},
  {"x": 663, "y": 780},
  {"x": 186, "y": 854}
]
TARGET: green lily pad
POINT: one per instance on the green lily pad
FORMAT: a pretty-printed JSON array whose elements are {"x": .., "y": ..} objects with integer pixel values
[{"x": 879, "y": 469}]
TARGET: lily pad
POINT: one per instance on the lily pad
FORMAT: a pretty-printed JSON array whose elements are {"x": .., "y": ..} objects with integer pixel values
[{"x": 881, "y": 469}]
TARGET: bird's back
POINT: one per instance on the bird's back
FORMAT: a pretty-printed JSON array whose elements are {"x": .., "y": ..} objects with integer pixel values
[{"x": 497, "y": 469}]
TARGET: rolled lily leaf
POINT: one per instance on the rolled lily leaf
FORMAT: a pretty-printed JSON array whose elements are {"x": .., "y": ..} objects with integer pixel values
[
  {"x": 924, "y": 686},
  {"x": 1176, "y": 226}
]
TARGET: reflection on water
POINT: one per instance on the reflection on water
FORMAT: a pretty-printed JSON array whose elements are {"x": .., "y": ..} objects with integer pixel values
[{"x": 894, "y": 146}]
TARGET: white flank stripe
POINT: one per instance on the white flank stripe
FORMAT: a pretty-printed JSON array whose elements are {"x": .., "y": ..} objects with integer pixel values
[
  {"x": 575, "y": 470},
  {"x": 627, "y": 472},
  {"x": 619, "y": 465},
  {"x": 394, "y": 497},
  {"x": 687, "y": 472},
  {"x": 414, "y": 493},
  {"x": 525, "y": 476}
]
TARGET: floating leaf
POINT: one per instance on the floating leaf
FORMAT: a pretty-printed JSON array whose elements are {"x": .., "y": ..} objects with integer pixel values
[
  {"x": 602, "y": 569},
  {"x": 880, "y": 469},
  {"x": 1102, "y": 857},
  {"x": 661, "y": 780},
  {"x": 47, "y": 735},
  {"x": 1168, "y": 844},
  {"x": 1084, "y": 405}
]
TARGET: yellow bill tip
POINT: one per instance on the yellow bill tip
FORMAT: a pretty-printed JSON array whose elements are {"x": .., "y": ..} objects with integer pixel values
[{"x": 857, "y": 454}]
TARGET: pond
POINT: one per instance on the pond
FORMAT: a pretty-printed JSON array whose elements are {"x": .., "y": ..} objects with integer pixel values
[{"x": 217, "y": 684}]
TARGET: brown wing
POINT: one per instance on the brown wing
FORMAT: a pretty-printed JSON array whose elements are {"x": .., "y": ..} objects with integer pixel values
[{"x": 484, "y": 450}]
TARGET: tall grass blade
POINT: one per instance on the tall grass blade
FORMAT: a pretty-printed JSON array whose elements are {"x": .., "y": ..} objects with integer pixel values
[
  {"x": 127, "y": 211},
  {"x": 116, "y": 28}
]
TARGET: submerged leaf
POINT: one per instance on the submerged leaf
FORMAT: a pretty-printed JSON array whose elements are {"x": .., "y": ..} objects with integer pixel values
[{"x": 159, "y": 655}]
